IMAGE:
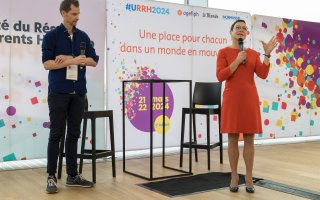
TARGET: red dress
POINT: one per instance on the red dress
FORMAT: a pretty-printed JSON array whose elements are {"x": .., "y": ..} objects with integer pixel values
[{"x": 240, "y": 105}]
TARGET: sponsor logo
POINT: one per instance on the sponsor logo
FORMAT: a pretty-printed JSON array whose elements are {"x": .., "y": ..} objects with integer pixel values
[
  {"x": 210, "y": 15},
  {"x": 188, "y": 13},
  {"x": 229, "y": 17},
  {"x": 147, "y": 9}
]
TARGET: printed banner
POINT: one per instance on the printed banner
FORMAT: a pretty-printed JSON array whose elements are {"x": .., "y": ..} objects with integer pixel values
[
  {"x": 24, "y": 117},
  {"x": 290, "y": 95},
  {"x": 155, "y": 40}
]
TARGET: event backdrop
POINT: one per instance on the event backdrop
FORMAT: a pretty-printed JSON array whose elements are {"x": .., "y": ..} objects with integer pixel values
[
  {"x": 289, "y": 97},
  {"x": 155, "y": 40},
  {"x": 144, "y": 40},
  {"x": 24, "y": 119}
]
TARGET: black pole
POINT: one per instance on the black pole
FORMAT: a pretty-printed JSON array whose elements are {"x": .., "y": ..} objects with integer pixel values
[{"x": 123, "y": 128}]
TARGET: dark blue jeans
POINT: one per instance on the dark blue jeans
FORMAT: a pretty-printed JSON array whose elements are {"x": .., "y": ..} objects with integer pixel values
[{"x": 64, "y": 109}]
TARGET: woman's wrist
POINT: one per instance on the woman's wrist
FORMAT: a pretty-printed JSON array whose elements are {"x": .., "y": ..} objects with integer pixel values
[{"x": 267, "y": 55}]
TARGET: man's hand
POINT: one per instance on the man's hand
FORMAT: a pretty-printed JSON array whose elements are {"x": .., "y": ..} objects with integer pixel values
[
  {"x": 62, "y": 58},
  {"x": 80, "y": 60}
]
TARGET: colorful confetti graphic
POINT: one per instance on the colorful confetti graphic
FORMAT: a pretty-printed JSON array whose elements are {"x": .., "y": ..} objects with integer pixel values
[{"x": 137, "y": 98}]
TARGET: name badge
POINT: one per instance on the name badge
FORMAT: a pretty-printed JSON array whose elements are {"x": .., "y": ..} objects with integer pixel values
[{"x": 72, "y": 72}]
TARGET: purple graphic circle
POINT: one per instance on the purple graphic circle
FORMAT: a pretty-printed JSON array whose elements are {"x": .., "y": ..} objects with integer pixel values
[
  {"x": 46, "y": 124},
  {"x": 140, "y": 105},
  {"x": 318, "y": 102},
  {"x": 11, "y": 110}
]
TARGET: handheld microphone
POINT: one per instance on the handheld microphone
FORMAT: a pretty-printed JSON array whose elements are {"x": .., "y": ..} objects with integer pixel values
[
  {"x": 82, "y": 51},
  {"x": 82, "y": 48},
  {"x": 240, "y": 42}
]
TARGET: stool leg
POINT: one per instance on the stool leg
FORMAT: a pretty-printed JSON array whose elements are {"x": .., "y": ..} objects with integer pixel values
[
  {"x": 182, "y": 137},
  {"x": 208, "y": 139},
  {"x": 61, "y": 152},
  {"x": 93, "y": 129},
  {"x": 83, "y": 143},
  {"x": 112, "y": 145},
  {"x": 195, "y": 137}
]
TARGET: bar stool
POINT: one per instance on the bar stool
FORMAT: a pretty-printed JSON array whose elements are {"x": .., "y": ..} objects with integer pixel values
[
  {"x": 204, "y": 94},
  {"x": 92, "y": 153}
]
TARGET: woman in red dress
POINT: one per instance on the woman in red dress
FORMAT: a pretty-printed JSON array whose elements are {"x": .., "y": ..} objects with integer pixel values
[{"x": 240, "y": 104}]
